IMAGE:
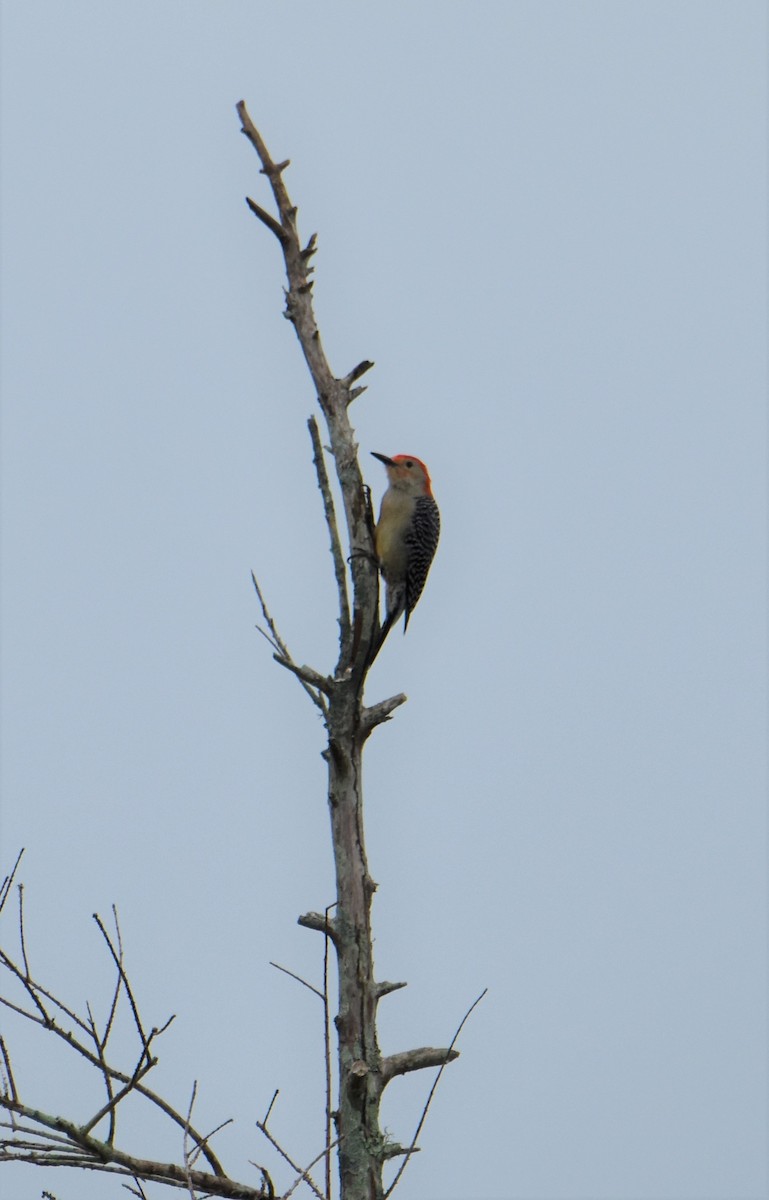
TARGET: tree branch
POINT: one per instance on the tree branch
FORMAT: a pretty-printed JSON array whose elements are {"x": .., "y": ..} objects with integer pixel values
[
  {"x": 356, "y": 373},
  {"x": 97, "y": 1058},
  {"x": 9, "y": 1083},
  {"x": 333, "y": 397},
  {"x": 415, "y": 1060},
  {"x": 7, "y": 884},
  {"x": 384, "y": 988},
  {"x": 336, "y": 545},
  {"x": 100, "y": 1156},
  {"x": 117, "y": 956},
  {"x": 309, "y": 679},
  {"x": 320, "y": 922},
  {"x": 304, "y": 1176},
  {"x": 298, "y": 979},
  {"x": 269, "y": 221},
  {"x": 413, "y": 1147},
  {"x": 306, "y": 675},
  {"x": 377, "y": 713}
]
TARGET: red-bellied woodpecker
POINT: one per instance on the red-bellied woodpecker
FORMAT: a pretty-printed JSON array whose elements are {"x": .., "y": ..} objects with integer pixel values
[{"x": 406, "y": 535}]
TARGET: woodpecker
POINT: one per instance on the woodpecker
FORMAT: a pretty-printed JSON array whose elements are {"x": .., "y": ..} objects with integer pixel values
[{"x": 406, "y": 536}]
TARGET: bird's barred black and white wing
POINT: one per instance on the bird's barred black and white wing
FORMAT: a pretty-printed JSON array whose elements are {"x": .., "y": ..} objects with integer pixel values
[{"x": 422, "y": 540}]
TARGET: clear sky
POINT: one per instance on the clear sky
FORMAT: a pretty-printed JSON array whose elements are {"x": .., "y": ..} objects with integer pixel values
[{"x": 545, "y": 222}]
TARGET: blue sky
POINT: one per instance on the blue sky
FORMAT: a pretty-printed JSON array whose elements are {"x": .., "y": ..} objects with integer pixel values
[{"x": 545, "y": 223}]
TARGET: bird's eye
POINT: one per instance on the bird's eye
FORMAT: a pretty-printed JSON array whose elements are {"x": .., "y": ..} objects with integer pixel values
[{"x": 409, "y": 464}]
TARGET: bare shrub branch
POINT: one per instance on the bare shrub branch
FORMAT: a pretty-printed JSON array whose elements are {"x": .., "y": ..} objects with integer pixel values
[{"x": 82, "y": 1037}]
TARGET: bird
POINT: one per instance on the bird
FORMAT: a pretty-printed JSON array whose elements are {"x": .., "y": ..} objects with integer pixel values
[{"x": 405, "y": 537}]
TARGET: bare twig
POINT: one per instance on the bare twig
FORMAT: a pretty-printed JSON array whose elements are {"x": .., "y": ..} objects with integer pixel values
[
  {"x": 310, "y": 249},
  {"x": 32, "y": 992},
  {"x": 333, "y": 531},
  {"x": 303, "y": 1175},
  {"x": 269, "y": 1187},
  {"x": 283, "y": 655},
  {"x": 216, "y": 1129},
  {"x": 412, "y": 1148},
  {"x": 138, "y": 1190},
  {"x": 110, "y": 1105},
  {"x": 298, "y": 979},
  {"x": 58, "y": 1141},
  {"x": 7, "y": 884},
  {"x": 8, "y": 1072},
  {"x": 114, "y": 1100},
  {"x": 327, "y": 1061},
  {"x": 327, "y": 1054},
  {"x": 22, "y": 939},
  {"x": 117, "y": 956},
  {"x": 188, "y": 1154},
  {"x": 306, "y": 674},
  {"x": 116, "y": 993},
  {"x": 262, "y": 1127},
  {"x": 274, "y": 637},
  {"x": 356, "y": 372},
  {"x": 268, "y": 220},
  {"x": 192, "y": 1154}
]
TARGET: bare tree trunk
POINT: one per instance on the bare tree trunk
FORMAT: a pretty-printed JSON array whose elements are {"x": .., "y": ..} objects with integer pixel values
[{"x": 360, "y": 1079}]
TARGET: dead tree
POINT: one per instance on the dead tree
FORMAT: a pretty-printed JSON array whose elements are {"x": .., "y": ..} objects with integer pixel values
[{"x": 363, "y": 1072}]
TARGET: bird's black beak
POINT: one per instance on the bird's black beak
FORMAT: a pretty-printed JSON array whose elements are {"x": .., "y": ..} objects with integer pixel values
[{"x": 388, "y": 462}]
